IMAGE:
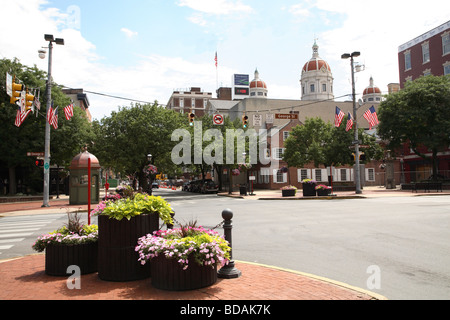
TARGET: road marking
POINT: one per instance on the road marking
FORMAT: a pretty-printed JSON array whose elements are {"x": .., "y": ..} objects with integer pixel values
[
  {"x": 16, "y": 235},
  {"x": 18, "y": 230}
]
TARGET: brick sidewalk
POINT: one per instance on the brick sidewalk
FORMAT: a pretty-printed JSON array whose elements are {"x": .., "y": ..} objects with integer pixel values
[{"x": 25, "y": 279}]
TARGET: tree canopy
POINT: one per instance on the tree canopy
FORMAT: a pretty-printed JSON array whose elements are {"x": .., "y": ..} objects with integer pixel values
[{"x": 418, "y": 115}]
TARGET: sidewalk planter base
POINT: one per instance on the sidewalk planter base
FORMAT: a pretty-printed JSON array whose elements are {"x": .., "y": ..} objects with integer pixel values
[
  {"x": 168, "y": 274},
  {"x": 309, "y": 189},
  {"x": 117, "y": 258},
  {"x": 59, "y": 257},
  {"x": 324, "y": 192},
  {"x": 288, "y": 193}
]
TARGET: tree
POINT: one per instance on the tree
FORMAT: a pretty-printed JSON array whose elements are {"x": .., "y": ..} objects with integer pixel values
[
  {"x": 30, "y": 136},
  {"x": 324, "y": 144},
  {"x": 419, "y": 115},
  {"x": 124, "y": 139}
]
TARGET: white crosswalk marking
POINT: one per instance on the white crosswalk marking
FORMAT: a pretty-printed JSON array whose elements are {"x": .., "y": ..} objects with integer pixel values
[{"x": 14, "y": 230}]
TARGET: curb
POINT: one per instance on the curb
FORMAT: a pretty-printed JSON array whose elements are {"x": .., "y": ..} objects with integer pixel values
[{"x": 375, "y": 296}]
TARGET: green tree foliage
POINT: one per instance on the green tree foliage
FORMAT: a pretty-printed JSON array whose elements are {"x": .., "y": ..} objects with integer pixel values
[
  {"x": 323, "y": 144},
  {"x": 125, "y": 138},
  {"x": 419, "y": 115},
  {"x": 30, "y": 136}
]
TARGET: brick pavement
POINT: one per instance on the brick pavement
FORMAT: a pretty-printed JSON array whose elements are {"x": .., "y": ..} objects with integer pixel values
[{"x": 25, "y": 279}]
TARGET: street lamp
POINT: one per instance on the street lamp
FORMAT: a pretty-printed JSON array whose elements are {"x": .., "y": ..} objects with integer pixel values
[
  {"x": 355, "y": 119},
  {"x": 59, "y": 41}
]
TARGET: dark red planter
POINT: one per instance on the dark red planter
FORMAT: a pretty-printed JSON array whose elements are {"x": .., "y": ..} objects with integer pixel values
[
  {"x": 288, "y": 193},
  {"x": 323, "y": 192},
  {"x": 117, "y": 240},
  {"x": 168, "y": 274},
  {"x": 58, "y": 257},
  {"x": 309, "y": 189}
]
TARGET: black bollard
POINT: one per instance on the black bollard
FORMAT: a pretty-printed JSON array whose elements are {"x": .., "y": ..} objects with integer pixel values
[
  {"x": 228, "y": 271},
  {"x": 170, "y": 226}
]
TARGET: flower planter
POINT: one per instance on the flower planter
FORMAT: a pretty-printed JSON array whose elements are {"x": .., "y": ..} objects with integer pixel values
[
  {"x": 323, "y": 192},
  {"x": 58, "y": 257},
  {"x": 168, "y": 274},
  {"x": 117, "y": 258},
  {"x": 288, "y": 193},
  {"x": 309, "y": 189}
]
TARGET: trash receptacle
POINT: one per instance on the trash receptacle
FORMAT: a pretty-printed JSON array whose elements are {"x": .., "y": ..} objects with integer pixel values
[{"x": 243, "y": 190}]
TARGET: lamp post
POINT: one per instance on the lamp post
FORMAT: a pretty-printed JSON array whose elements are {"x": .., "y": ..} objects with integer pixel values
[
  {"x": 50, "y": 39},
  {"x": 355, "y": 119}
]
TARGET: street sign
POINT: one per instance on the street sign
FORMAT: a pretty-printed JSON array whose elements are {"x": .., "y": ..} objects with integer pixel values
[
  {"x": 218, "y": 119},
  {"x": 269, "y": 118},
  {"x": 286, "y": 116},
  {"x": 35, "y": 154},
  {"x": 257, "y": 120},
  {"x": 252, "y": 178}
]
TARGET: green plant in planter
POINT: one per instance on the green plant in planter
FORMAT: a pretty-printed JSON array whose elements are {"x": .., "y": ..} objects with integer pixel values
[
  {"x": 73, "y": 233},
  {"x": 140, "y": 204}
]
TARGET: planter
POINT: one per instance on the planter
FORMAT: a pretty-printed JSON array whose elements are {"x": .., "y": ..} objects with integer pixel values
[
  {"x": 117, "y": 258},
  {"x": 288, "y": 193},
  {"x": 58, "y": 257},
  {"x": 323, "y": 192},
  {"x": 309, "y": 189},
  {"x": 168, "y": 274}
]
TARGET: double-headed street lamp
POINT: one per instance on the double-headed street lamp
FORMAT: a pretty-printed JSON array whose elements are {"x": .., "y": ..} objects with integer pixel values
[
  {"x": 355, "y": 120},
  {"x": 50, "y": 39}
]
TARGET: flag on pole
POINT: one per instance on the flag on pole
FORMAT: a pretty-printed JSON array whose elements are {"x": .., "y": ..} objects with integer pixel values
[
  {"x": 54, "y": 119},
  {"x": 349, "y": 123},
  {"x": 50, "y": 114},
  {"x": 20, "y": 116},
  {"x": 68, "y": 111},
  {"x": 338, "y": 117},
  {"x": 371, "y": 116},
  {"x": 216, "y": 60}
]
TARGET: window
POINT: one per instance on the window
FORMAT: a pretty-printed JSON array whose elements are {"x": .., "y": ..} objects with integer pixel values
[
  {"x": 205, "y": 103},
  {"x": 408, "y": 60},
  {"x": 303, "y": 174},
  {"x": 324, "y": 87},
  {"x": 446, "y": 43},
  {"x": 181, "y": 102},
  {"x": 370, "y": 174},
  {"x": 426, "y": 52},
  {"x": 344, "y": 175},
  {"x": 447, "y": 68},
  {"x": 265, "y": 175},
  {"x": 285, "y": 135},
  {"x": 318, "y": 175},
  {"x": 278, "y": 153},
  {"x": 313, "y": 89},
  {"x": 193, "y": 103},
  {"x": 303, "y": 89}
]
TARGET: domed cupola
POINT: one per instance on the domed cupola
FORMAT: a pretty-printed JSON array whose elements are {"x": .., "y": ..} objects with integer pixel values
[
  {"x": 317, "y": 79},
  {"x": 258, "y": 88},
  {"x": 372, "y": 94}
]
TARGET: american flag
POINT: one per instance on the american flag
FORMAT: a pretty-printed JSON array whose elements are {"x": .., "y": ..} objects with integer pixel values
[
  {"x": 50, "y": 114},
  {"x": 338, "y": 117},
  {"x": 216, "y": 59},
  {"x": 371, "y": 116},
  {"x": 54, "y": 119},
  {"x": 349, "y": 123},
  {"x": 20, "y": 116},
  {"x": 68, "y": 111}
]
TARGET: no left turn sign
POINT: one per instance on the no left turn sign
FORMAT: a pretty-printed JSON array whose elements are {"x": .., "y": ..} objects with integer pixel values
[{"x": 218, "y": 119}]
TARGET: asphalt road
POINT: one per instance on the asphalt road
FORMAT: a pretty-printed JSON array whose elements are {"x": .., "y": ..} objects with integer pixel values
[{"x": 398, "y": 247}]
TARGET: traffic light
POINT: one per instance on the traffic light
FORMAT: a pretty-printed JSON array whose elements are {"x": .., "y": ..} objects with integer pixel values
[
  {"x": 191, "y": 119},
  {"x": 245, "y": 121},
  {"x": 29, "y": 98},
  {"x": 362, "y": 156},
  {"x": 16, "y": 89},
  {"x": 39, "y": 163}
]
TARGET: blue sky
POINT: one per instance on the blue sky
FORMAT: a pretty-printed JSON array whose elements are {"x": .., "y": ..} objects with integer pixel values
[{"x": 145, "y": 49}]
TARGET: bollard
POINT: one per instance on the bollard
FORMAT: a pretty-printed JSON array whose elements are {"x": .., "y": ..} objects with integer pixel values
[
  {"x": 170, "y": 226},
  {"x": 228, "y": 271}
]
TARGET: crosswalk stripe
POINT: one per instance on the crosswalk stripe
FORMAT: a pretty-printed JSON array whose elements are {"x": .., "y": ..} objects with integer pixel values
[
  {"x": 12, "y": 240},
  {"x": 6, "y": 247},
  {"x": 18, "y": 230},
  {"x": 16, "y": 235}
]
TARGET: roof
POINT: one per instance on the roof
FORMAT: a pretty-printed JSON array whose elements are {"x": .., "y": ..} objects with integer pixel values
[{"x": 223, "y": 104}]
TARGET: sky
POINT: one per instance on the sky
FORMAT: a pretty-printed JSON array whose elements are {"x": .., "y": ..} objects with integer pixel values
[{"x": 144, "y": 50}]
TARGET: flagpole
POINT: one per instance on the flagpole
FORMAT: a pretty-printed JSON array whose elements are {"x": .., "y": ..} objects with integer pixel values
[{"x": 47, "y": 131}]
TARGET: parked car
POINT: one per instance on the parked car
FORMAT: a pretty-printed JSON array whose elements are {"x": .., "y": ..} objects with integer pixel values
[
  {"x": 209, "y": 186},
  {"x": 155, "y": 185}
]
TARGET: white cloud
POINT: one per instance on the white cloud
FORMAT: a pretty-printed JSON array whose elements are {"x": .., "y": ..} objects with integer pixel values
[
  {"x": 218, "y": 7},
  {"x": 129, "y": 33},
  {"x": 299, "y": 10}
]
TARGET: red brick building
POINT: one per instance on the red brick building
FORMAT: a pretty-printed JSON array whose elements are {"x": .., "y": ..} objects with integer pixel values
[{"x": 427, "y": 54}]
